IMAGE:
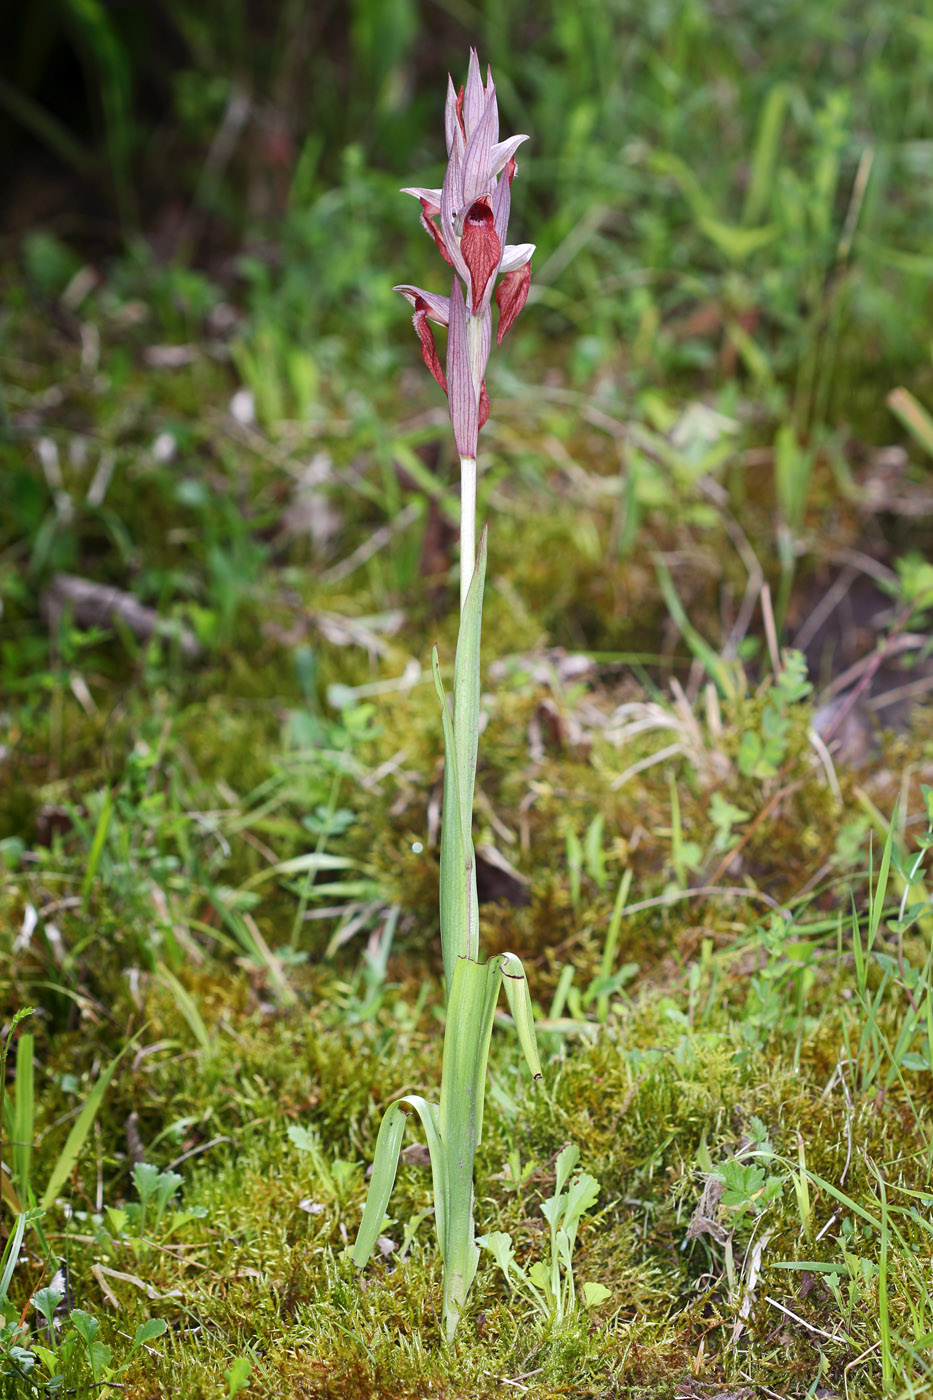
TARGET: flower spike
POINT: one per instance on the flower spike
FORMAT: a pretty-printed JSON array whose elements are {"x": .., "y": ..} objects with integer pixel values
[{"x": 468, "y": 218}]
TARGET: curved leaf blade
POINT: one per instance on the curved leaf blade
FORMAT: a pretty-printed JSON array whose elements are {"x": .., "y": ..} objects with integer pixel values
[
  {"x": 385, "y": 1167},
  {"x": 519, "y": 998}
]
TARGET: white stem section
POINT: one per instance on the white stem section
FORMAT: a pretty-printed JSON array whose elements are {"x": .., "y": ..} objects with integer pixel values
[{"x": 467, "y": 526}]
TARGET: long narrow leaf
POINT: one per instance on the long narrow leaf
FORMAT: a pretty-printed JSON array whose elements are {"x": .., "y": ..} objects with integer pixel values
[
  {"x": 467, "y": 683},
  {"x": 385, "y": 1166},
  {"x": 455, "y": 873},
  {"x": 466, "y": 725},
  {"x": 519, "y": 998}
]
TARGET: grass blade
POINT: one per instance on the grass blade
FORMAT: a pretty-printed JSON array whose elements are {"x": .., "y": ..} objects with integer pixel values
[
  {"x": 79, "y": 1131},
  {"x": 11, "y": 1255},
  {"x": 715, "y": 667},
  {"x": 187, "y": 1006}
]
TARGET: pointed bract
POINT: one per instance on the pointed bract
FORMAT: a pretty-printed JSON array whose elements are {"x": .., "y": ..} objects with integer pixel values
[
  {"x": 476, "y": 157},
  {"x": 474, "y": 98},
  {"x": 453, "y": 126},
  {"x": 450, "y": 201},
  {"x": 462, "y": 395}
]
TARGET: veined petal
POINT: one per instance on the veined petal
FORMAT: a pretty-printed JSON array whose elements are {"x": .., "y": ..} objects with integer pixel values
[
  {"x": 503, "y": 151},
  {"x": 428, "y": 348},
  {"x": 511, "y": 295},
  {"x": 438, "y": 307},
  {"x": 480, "y": 248},
  {"x": 430, "y": 199},
  {"x": 474, "y": 96},
  {"x": 491, "y": 97},
  {"x": 514, "y": 255},
  {"x": 450, "y": 195},
  {"x": 476, "y": 156},
  {"x": 463, "y": 407}
]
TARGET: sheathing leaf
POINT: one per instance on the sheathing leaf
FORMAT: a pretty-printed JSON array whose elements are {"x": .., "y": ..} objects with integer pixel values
[{"x": 470, "y": 1010}]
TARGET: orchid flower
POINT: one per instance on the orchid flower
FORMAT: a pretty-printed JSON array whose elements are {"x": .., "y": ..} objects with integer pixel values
[{"x": 468, "y": 218}]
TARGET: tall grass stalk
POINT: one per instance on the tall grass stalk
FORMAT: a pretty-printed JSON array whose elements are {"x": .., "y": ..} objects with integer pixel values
[{"x": 473, "y": 211}]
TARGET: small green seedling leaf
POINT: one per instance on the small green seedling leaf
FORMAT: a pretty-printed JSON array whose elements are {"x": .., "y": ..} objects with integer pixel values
[
  {"x": 594, "y": 1294},
  {"x": 238, "y": 1376},
  {"x": 567, "y": 1159},
  {"x": 98, "y": 1354},
  {"x": 145, "y": 1179},
  {"x": 46, "y": 1300},
  {"x": 48, "y": 1358},
  {"x": 148, "y": 1331},
  {"x": 166, "y": 1186},
  {"x": 84, "y": 1324},
  {"x": 499, "y": 1245},
  {"x": 583, "y": 1193}
]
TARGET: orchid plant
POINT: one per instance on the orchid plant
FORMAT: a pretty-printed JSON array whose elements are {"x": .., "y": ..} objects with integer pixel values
[{"x": 468, "y": 219}]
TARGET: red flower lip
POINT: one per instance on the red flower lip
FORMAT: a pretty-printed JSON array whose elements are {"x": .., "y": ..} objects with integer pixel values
[{"x": 481, "y": 249}]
